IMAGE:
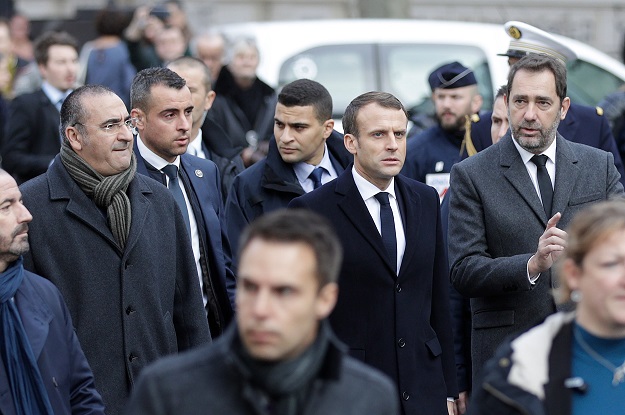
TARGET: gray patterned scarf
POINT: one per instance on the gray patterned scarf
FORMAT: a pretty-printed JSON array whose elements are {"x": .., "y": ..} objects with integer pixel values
[{"x": 107, "y": 192}]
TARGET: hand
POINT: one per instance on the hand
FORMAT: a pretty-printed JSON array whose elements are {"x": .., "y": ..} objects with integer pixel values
[
  {"x": 550, "y": 246},
  {"x": 451, "y": 408},
  {"x": 462, "y": 402}
]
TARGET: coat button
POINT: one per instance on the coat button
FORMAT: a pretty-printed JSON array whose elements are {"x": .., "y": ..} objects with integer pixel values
[
  {"x": 130, "y": 310},
  {"x": 132, "y": 357},
  {"x": 401, "y": 342},
  {"x": 405, "y": 396},
  {"x": 398, "y": 288},
  {"x": 127, "y": 265}
]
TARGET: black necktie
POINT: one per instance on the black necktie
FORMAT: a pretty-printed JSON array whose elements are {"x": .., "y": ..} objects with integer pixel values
[
  {"x": 387, "y": 225},
  {"x": 315, "y": 176},
  {"x": 174, "y": 185},
  {"x": 544, "y": 182}
]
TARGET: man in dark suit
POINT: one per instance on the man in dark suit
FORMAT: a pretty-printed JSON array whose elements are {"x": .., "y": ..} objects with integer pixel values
[
  {"x": 32, "y": 136},
  {"x": 510, "y": 202},
  {"x": 208, "y": 139},
  {"x": 162, "y": 106},
  {"x": 39, "y": 347},
  {"x": 115, "y": 244},
  {"x": 393, "y": 306},
  {"x": 304, "y": 141}
]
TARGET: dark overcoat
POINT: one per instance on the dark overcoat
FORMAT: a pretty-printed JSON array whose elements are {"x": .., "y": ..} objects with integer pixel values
[
  {"x": 495, "y": 221},
  {"x": 129, "y": 306},
  {"x": 398, "y": 323},
  {"x": 271, "y": 184}
]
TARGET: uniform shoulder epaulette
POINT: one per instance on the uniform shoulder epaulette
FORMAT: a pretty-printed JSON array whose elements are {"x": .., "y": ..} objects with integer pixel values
[{"x": 599, "y": 111}]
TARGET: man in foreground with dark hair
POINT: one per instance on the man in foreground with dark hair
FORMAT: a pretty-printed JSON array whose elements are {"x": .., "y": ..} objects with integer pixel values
[{"x": 280, "y": 357}]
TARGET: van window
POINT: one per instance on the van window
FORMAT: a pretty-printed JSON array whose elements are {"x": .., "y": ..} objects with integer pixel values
[
  {"x": 588, "y": 84},
  {"x": 406, "y": 68},
  {"x": 345, "y": 70}
]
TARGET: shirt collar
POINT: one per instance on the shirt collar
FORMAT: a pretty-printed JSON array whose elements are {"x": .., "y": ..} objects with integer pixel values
[
  {"x": 196, "y": 144},
  {"x": 367, "y": 189},
  {"x": 149, "y": 156},
  {"x": 54, "y": 94},
  {"x": 526, "y": 156},
  {"x": 303, "y": 169}
]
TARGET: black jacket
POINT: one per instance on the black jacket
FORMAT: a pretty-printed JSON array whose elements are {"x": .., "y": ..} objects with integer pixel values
[
  {"x": 271, "y": 184},
  {"x": 208, "y": 380},
  {"x": 228, "y": 113}
]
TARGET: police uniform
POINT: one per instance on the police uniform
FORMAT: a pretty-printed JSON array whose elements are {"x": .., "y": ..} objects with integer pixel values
[{"x": 430, "y": 154}]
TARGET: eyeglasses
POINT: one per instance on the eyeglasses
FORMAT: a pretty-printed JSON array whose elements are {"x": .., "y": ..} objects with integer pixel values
[{"x": 114, "y": 127}]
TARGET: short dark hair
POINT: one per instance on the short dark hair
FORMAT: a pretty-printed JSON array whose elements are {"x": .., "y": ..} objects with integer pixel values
[
  {"x": 383, "y": 99},
  {"x": 49, "y": 39},
  {"x": 192, "y": 62},
  {"x": 304, "y": 226},
  {"x": 73, "y": 111},
  {"x": 141, "y": 88},
  {"x": 535, "y": 62},
  {"x": 304, "y": 93}
]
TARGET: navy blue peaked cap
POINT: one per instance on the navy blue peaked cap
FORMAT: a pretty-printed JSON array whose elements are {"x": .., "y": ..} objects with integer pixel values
[{"x": 451, "y": 75}]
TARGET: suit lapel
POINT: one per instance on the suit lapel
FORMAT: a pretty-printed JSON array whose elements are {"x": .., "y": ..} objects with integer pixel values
[
  {"x": 566, "y": 174},
  {"x": 410, "y": 208},
  {"x": 354, "y": 208},
  {"x": 516, "y": 173},
  {"x": 139, "y": 207},
  {"x": 63, "y": 187}
]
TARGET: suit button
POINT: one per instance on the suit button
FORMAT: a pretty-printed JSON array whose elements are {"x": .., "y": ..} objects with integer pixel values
[
  {"x": 405, "y": 396},
  {"x": 398, "y": 288},
  {"x": 130, "y": 310},
  {"x": 132, "y": 357},
  {"x": 127, "y": 265},
  {"x": 401, "y": 342}
]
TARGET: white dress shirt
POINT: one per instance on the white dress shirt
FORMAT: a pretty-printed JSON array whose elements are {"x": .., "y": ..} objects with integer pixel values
[
  {"x": 158, "y": 163},
  {"x": 532, "y": 170},
  {"x": 195, "y": 147},
  {"x": 368, "y": 191},
  {"x": 303, "y": 170}
]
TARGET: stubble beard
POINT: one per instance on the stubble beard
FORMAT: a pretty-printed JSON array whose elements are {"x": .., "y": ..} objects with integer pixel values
[{"x": 540, "y": 143}]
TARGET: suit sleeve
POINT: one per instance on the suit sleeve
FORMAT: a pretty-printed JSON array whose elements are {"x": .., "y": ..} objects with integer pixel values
[
  {"x": 615, "y": 180},
  {"x": 441, "y": 317},
  {"x": 474, "y": 273},
  {"x": 236, "y": 218},
  {"x": 608, "y": 143},
  {"x": 231, "y": 281},
  {"x": 20, "y": 130}
]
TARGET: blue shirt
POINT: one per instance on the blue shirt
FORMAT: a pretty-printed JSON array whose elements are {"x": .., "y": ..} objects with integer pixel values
[{"x": 601, "y": 397}]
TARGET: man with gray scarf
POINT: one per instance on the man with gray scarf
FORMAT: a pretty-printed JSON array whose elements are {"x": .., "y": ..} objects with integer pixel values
[
  {"x": 115, "y": 244},
  {"x": 280, "y": 357}
]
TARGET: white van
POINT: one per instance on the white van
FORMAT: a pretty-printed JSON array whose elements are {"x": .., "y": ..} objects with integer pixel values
[{"x": 350, "y": 57}]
